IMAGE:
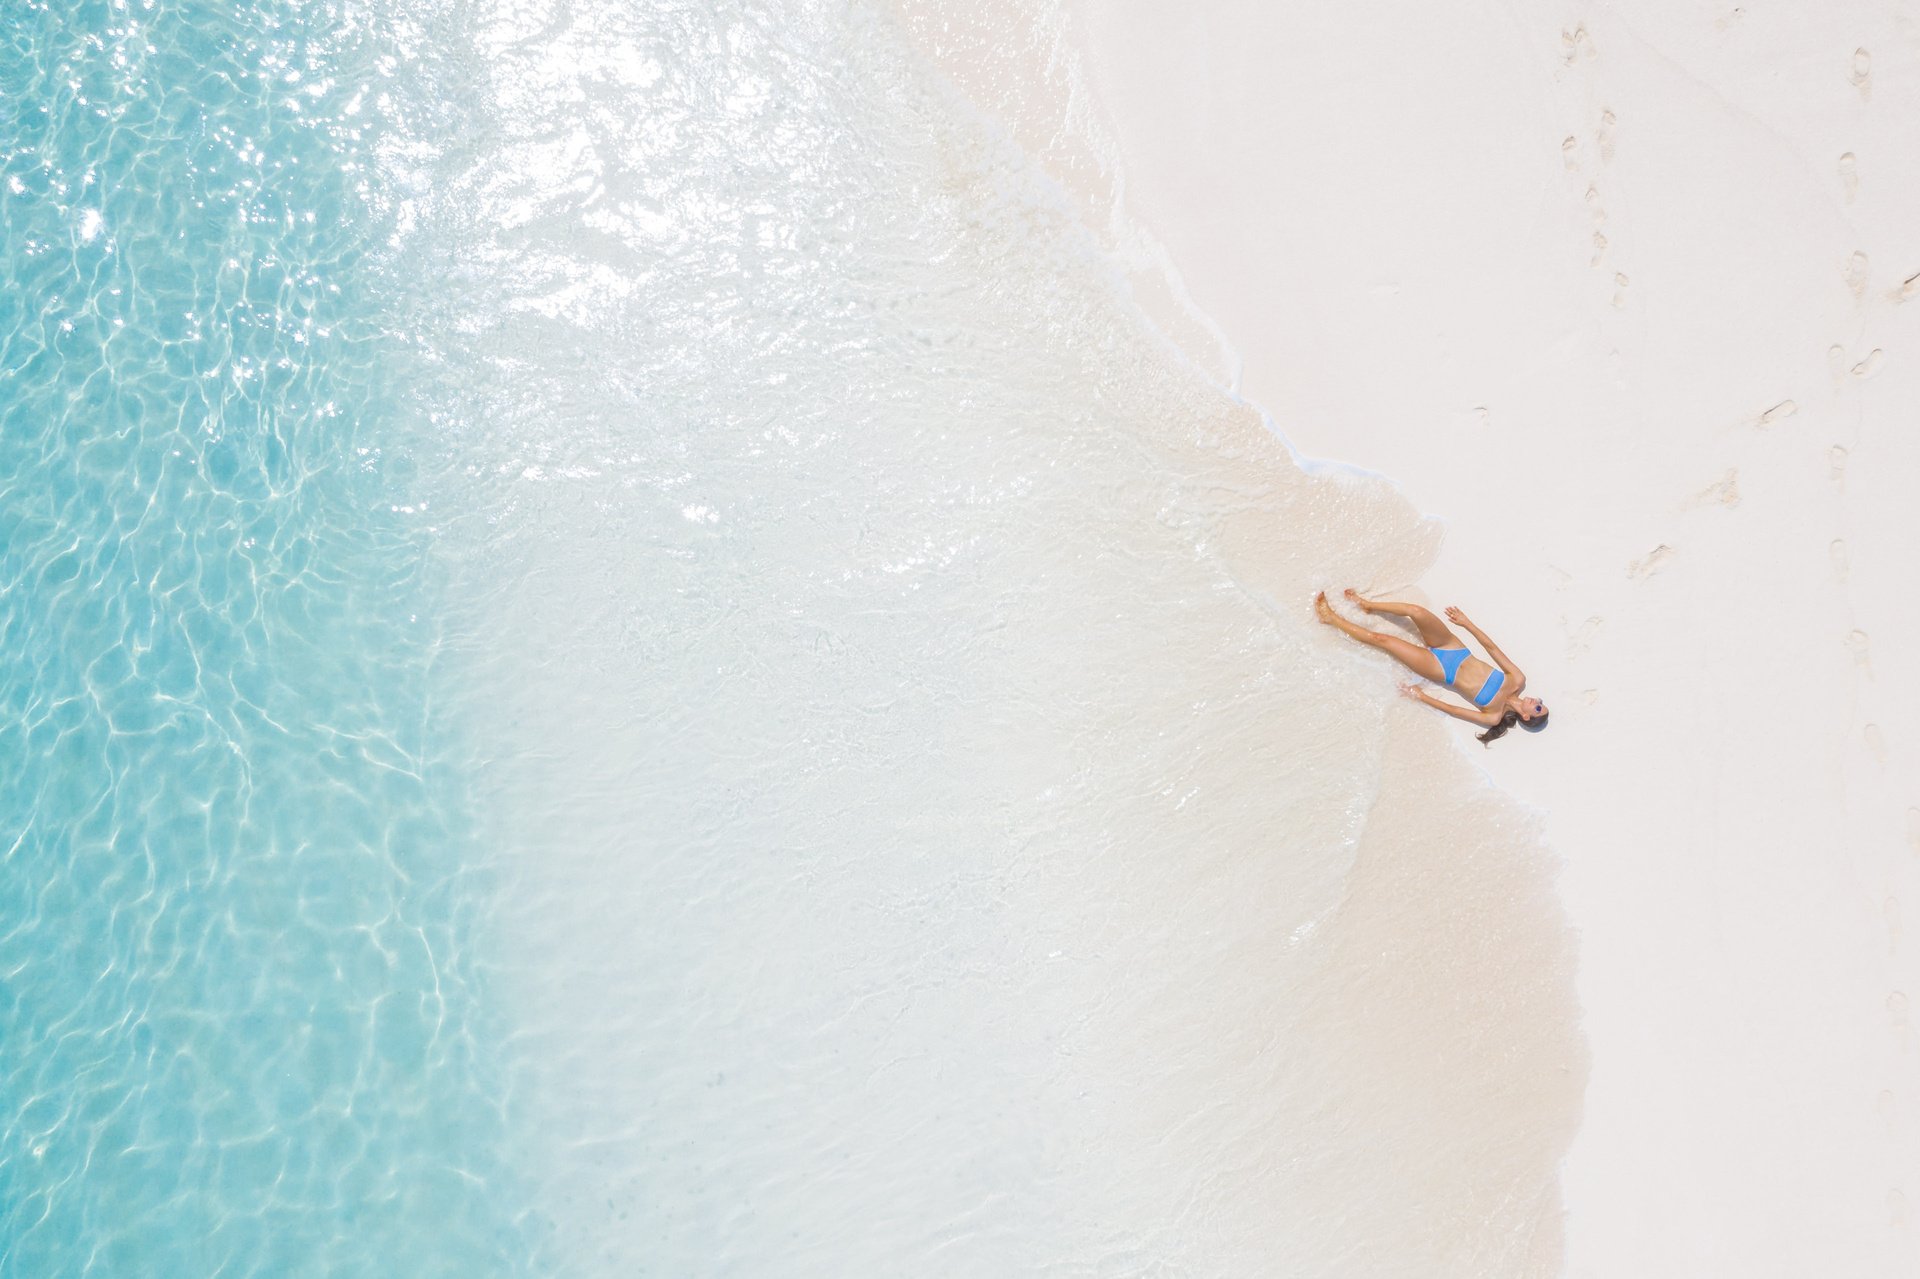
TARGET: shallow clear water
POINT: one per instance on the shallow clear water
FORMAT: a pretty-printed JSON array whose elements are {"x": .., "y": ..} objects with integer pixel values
[{"x": 635, "y": 660}]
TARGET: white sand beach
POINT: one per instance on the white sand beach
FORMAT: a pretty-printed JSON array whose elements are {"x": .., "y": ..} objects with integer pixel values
[{"x": 1628, "y": 295}]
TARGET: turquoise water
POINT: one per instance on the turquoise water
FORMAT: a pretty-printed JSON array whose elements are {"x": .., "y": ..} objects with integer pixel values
[{"x": 240, "y": 1026}]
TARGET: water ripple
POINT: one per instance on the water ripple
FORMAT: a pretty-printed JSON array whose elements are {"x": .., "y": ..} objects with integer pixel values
[{"x": 242, "y": 1028}]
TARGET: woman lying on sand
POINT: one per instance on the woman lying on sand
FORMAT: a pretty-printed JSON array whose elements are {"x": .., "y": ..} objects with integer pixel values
[{"x": 1445, "y": 660}]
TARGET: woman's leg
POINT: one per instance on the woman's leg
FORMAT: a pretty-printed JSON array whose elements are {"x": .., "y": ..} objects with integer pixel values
[
  {"x": 1412, "y": 656},
  {"x": 1432, "y": 629}
]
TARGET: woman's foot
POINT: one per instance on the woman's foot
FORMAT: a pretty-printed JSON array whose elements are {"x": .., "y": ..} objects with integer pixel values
[
  {"x": 1360, "y": 602},
  {"x": 1331, "y": 618}
]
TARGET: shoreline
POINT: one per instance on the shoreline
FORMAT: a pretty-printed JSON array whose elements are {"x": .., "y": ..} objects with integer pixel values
[{"x": 1050, "y": 114}]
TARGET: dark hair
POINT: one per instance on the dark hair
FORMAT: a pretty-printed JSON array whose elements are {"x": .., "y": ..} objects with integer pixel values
[{"x": 1511, "y": 718}]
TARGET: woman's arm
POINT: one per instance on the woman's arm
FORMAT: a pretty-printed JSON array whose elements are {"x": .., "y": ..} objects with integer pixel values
[
  {"x": 1467, "y": 713},
  {"x": 1500, "y": 659}
]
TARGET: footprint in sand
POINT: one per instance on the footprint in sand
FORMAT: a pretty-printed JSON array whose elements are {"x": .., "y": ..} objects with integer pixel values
[
  {"x": 1575, "y": 45},
  {"x": 1876, "y": 743},
  {"x": 1861, "y": 74},
  {"x": 1857, "y": 273},
  {"x": 1599, "y": 249},
  {"x": 1570, "y": 152},
  {"x": 1779, "y": 412},
  {"x": 1619, "y": 290},
  {"x": 1897, "y": 1013},
  {"x": 1869, "y": 366},
  {"x": 1849, "y": 176},
  {"x": 1886, "y": 1105},
  {"x": 1589, "y": 695},
  {"x": 1858, "y": 645},
  {"x": 1579, "y": 641},
  {"x": 1837, "y": 362},
  {"x": 1605, "y": 137},
  {"x": 1724, "y": 493},
  {"x": 1841, "y": 557},
  {"x": 1836, "y": 463},
  {"x": 1593, "y": 203},
  {"x": 1651, "y": 563},
  {"x": 1909, "y": 288}
]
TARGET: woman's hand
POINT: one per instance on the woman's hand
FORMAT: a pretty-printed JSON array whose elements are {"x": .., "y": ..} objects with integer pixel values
[
  {"x": 1455, "y": 615},
  {"x": 1413, "y": 691}
]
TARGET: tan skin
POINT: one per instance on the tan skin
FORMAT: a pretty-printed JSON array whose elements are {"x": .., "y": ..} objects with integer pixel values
[{"x": 1420, "y": 660}]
